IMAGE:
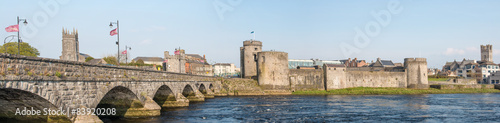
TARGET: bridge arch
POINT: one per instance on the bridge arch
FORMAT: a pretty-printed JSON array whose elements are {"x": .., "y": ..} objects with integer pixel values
[
  {"x": 202, "y": 89},
  {"x": 16, "y": 99},
  {"x": 163, "y": 95},
  {"x": 120, "y": 98},
  {"x": 188, "y": 91},
  {"x": 211, "y": 87}
]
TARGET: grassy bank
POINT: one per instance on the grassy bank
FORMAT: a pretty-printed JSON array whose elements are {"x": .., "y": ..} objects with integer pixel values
[
  {"x": 386, "y": 91},
  {"x": 438, "y": 79}
]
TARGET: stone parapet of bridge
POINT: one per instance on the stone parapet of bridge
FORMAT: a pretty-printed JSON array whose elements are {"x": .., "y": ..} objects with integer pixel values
[{"x": 71, "y": 84}]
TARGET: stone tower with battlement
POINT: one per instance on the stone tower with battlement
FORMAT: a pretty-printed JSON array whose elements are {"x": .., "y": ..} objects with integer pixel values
[
  {"x": 416, "y": 73},
  {"x": 176, "y": 62},
  {"x": 248, "y": 58},
  {"x": 486, "y": 53},
  {"x": 70, "y": 46}
]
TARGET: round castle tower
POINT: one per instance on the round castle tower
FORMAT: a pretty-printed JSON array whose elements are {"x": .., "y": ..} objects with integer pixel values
[
  {"x": 416, "y": 73},
  {"x": 273, "y": 70},
  {"x": 248, "y": 57}
]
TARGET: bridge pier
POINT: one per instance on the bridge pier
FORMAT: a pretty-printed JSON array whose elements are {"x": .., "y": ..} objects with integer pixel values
[
  {"x": 180, "y": 101},
  {"x": 150, "y": 109},
  {"x": 197, "y": 97},
  {"x": 209, "y": 95},
  {"x": 87, "y": 118}
]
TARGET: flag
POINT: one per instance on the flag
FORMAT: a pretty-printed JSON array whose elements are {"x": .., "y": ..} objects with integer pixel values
[
  {"x": 252, "y": 32},
  {"x": 113, "y": 32},
  {"x": 166, "y": 60},
  {"x": 177, "y": 52},
  {"x": 124, "y": 52},
  {"x": 12, "y": 28}
]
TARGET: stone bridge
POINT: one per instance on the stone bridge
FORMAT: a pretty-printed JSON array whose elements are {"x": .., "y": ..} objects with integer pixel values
[{"x": 49, "y": 83}]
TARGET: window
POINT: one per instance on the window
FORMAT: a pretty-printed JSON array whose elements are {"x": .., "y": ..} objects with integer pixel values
[{"x": 256, "y": 49}]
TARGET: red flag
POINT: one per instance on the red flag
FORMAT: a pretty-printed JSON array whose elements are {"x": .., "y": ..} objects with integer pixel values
[
  {"x": 124, "y": 52},
  {"x": 177, "y": 52},
  {"x": 12, "y": 28},
  {"x": 113, "y": 32},
  {"x": 166, "y": 60}
]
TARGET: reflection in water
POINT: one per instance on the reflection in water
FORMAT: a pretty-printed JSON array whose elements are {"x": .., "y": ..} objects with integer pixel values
[{"x": 339, "y": 108}]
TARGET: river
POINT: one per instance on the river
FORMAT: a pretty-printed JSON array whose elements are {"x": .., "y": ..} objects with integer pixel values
[{"x": 338, "y": 108}]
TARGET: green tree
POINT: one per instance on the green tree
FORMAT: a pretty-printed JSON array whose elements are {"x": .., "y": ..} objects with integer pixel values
[
  {"x": 111, "y": 60},
  {"x": 140, "y": 62},
  {"x": 89, "y": 58},
  {"x": 26, "y": 49}
]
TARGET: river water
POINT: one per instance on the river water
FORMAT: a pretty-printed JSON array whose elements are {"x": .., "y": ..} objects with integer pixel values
[{"x": 339, "y": 108}]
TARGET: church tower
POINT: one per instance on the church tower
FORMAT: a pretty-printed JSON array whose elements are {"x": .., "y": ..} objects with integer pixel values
[
  {"x": 70, "y": 46},
  {"x": 486, "y": 53}
]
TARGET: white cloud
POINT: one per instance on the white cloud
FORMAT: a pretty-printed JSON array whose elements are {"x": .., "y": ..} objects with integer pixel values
[
  {"x": 453, "y": 51},
  {"x": 472, "y": 49}
]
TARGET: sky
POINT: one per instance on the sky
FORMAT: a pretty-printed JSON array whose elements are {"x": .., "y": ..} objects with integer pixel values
[{"x": 441, "y": 31}]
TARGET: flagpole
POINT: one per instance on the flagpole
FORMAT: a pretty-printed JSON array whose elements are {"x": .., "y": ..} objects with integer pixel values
[
  {"x": 18, "y": 37},
  {"x": 253, "y": 35},
  {"x": 118, "y": 43}
]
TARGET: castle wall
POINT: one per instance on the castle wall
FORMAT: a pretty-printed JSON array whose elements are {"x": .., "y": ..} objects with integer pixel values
[
  {"x": 302, "y": 79},
  {"x": 375, "y": 79},
  {"x": 339, "y": 78},
  {"x": 273, "y": 70},
  {"x": 335, "y": 78}
]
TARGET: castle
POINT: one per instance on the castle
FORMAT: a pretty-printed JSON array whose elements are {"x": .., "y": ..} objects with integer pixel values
[
  {"x": 70, "y": 46},
  {"x": 271, "y": 70}
]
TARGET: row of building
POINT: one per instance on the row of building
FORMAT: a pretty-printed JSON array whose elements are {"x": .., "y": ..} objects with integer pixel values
[
  {"x": 484, "y": 71},
  {"x": 317, "y": 64}
]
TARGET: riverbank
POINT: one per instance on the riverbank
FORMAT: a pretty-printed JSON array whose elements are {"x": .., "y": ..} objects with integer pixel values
[{"x": 393, "y": 91}]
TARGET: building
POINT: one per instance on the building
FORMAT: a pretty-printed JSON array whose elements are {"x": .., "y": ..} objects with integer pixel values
[
  {"x": 175, "y": 63},
  {"x": 382, "y": 63},
  {"x": 295, "y": 63},
  {"x": 70, "y": 46},
  {"x": 197, "y": 65},
  {"x": 98, "y": 61},
  {"x": 150, "y": 60},
  {"x": 225, "y": 69},
  {"x": 472, "y": 69},
  {"x": 354, "y": 63},
  {"x": 494, "y": 78}
]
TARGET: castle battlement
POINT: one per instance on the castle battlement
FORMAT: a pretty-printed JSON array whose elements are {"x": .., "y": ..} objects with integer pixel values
[
  {"x": 252, "y": 43},
  {"x": 67, "y": 34},
  {"x": 415, "y": 59},
  {"x": 486, "y": 47}
]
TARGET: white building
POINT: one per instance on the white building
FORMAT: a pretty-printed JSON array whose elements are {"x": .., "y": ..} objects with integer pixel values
[{"x": 224, "y": 69}]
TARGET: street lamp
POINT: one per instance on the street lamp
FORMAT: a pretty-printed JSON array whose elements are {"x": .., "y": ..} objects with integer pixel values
[
  {"x": 118, "y": 35},
  {"x": 126, "y": 54},
  {"x": 19, "y": 37}
]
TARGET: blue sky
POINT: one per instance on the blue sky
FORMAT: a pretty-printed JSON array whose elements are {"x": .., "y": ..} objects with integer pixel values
[{"x": 441, "y": 30}]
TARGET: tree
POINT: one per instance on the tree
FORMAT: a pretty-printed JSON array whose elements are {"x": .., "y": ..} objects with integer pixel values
[
  {"x": 89, "y": 58},
  {"x": 140, "y": 62},
  {"x": 111, "y": 60},
  {"x": 26, "y": 49}
]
